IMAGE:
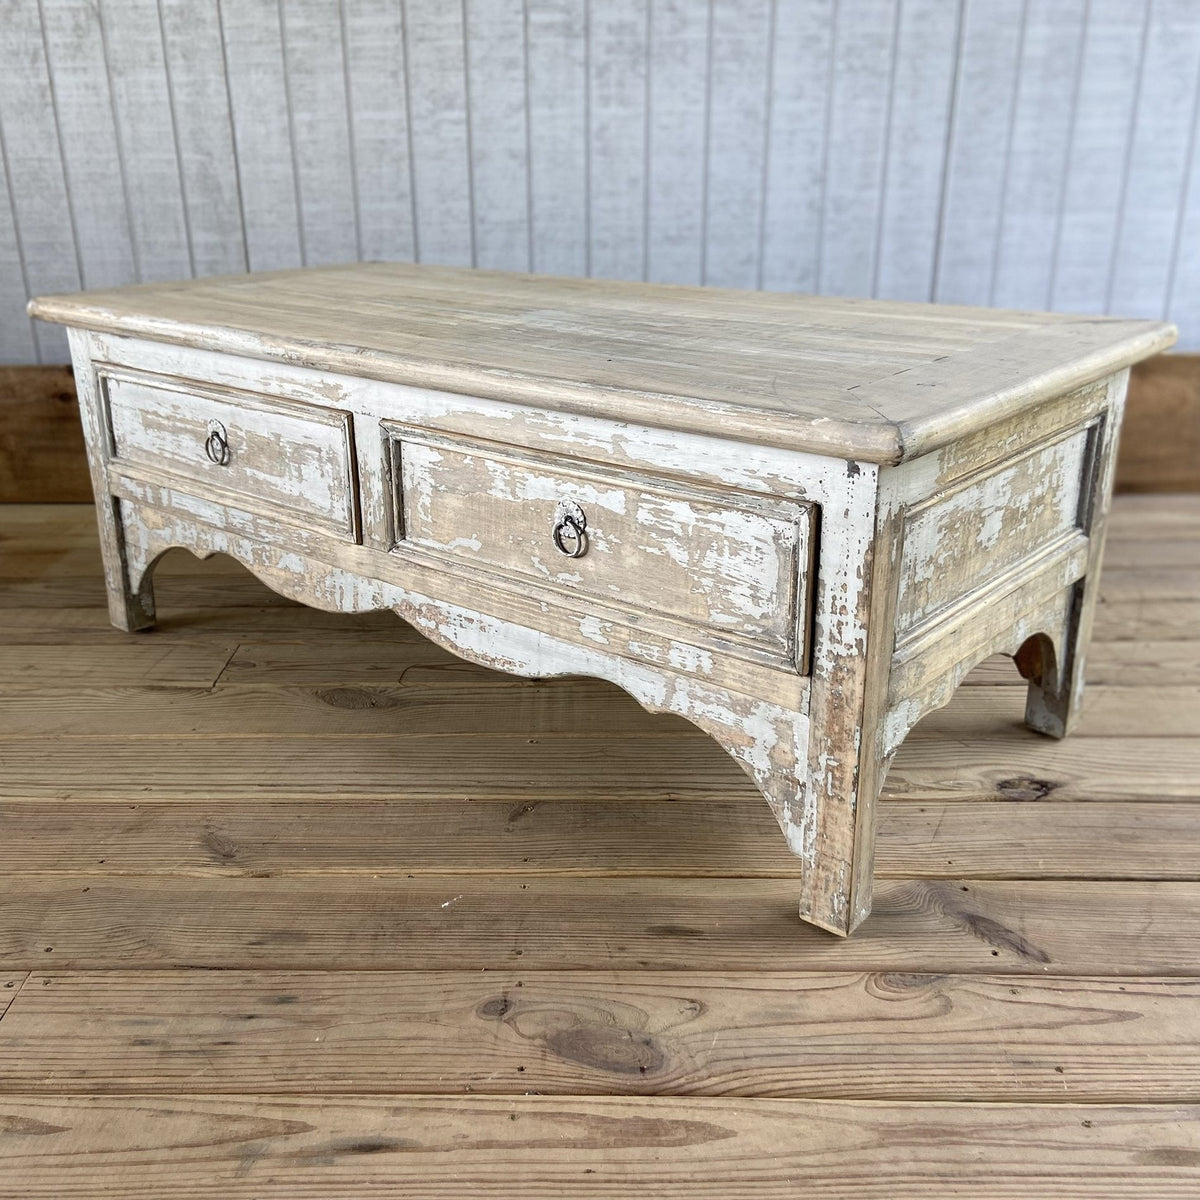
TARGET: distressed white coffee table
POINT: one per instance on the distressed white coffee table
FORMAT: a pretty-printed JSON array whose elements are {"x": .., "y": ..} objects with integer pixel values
[{"x": 796, "y": 522}]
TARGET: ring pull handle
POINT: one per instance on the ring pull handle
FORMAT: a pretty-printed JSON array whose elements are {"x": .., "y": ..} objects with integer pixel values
[
  {"x": 216, "y": 445},
  {"x": 570, "y": 530}
]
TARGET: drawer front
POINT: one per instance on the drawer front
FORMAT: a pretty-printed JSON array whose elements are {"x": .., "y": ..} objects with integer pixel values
[
  {"x": 734, "y": 565},
  {"x": 293, "y": 458}
]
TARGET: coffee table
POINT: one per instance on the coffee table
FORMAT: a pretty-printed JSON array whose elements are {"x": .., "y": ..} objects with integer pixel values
[{"x": 797, "y": 522}]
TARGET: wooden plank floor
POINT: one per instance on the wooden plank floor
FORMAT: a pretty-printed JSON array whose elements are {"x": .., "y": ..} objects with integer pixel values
[{"x": 299, "y": 905}]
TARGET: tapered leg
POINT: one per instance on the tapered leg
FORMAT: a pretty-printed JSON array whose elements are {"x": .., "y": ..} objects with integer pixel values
[
  {"x": 1054, "y": 661},
  {"x": 129, "y": 607},
  {"x": 1054, "y": 666},
  {"x": 836, "y": 889}
]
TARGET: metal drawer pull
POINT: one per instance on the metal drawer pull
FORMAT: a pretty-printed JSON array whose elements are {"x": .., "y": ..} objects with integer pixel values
[
  {"x": 570, "y": 530},
  {"x": 216, "y": 445}
]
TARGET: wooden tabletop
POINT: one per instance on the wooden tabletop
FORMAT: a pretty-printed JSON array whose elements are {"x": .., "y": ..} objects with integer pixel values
[{"x": 878, "y": 381}]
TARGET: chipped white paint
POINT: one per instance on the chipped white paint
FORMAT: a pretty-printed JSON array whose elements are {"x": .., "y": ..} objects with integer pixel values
[
  {"x": 722, "y": 561},
  {"x": 803, "y": 608},
  {"x": 286, "y": 454},
  {"x": 959, "y": 541}
]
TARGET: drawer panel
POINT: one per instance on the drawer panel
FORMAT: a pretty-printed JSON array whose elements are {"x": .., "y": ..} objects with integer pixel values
[
  {"x": 293, "y": 458},
  {"x": 734, "y": 564}
]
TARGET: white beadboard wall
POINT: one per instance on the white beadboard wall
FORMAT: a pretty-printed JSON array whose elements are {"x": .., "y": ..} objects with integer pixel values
[{"x": 1025, "y": 153}]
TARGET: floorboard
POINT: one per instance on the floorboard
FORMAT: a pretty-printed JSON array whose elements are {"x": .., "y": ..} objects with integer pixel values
[
  {"x": 422, "y": 1148},
  {"x": 837, "y": 1035},
  {"x": 707, "y": 836}
]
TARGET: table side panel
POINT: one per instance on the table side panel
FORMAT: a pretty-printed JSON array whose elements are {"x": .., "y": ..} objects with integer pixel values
[
  {"x": 959, "y": 542},
  {"x": 996, "y": 537}
]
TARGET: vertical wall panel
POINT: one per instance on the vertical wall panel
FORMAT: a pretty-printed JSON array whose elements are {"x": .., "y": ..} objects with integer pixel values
[
  {"x": 677, "y": 132},
  {"x": 262, "y": 138},
  {"x": 149, "y": 152},
  {"x": 1043, "y": 120},
  {"x": 617, "y": 37},
  {"x": 978, "y": 154},
  {"x": 1108, "y": 79},
  {"x": 801, "y": 78},
  {"x": 496, "y": 89},
  {"x": 922, "y": 92},
  {"x": 16, "y": 330},
  {"x": 738, "y": 96},
  {"x": 858, "y": 118},
  {"x": 78, "y": 73},
  {"x": 1036, "y": 153},
  {"x": 440, "y": 140},
  {"x": 1158, "y": 167},
  {"x": 204, "y": 133},
  {"x": 314, "y": 72},
  {"x": 1183, "y": 294},
  {"x": 374, "y": 33},
  {"x": 556, "y": 32},
  {"x": 38, "y": 188}
]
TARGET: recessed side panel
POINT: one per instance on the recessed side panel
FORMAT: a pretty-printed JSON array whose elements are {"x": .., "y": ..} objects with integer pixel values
[{"x": 960, "y": 544}]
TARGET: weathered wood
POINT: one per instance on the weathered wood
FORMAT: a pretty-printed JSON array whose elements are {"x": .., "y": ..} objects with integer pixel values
[
  {"x": 431, "y": 699},
  {"x": 618, "y": 912},
  {"x": 1026, "y": 505},
  {"x": 61, "y": 612},
  {"x": 174, "y": 664},
  {"x": 11, "y": 983},
  {"x": 288, "y": 456},
  {"x": 271, "y": 623},
  {"x": 195, "y": 598},
  {"x": 880, "y": 1036},
  {"x": 1133, "y": 620},
  {"x": 959, "y": 463},
  {"x": 42, "y": 455},
  {"x": 1125, "y": 662},
  {"x": 737, "y": 566},
  {"x": 763, "y": 363},
  {"x": 449, "y": 697},
  {"x": 1108, "y": 711},
  {"x": 655, "y": 764},
  {"x": 618, "y": 837},
  {"x": 476, "y": 922},
  {"x": 1018, "y": 763},
  {"x": 1164, "y": 582},
  {"x": 1151, "y": 516},
  {"x": 421, "y": 1149}
]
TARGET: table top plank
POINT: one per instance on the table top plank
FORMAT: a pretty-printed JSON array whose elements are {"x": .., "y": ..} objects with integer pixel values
[{"x": 878, "y": 381}]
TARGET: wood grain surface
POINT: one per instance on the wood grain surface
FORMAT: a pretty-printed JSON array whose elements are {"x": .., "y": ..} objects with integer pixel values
[
  {"x": 241, "y": 1147},
  {"x": 232, "y": 966},
  {"x": 42, "y": 454},
  {"x": 876, "y": 381},
  {"x": 42, "y": 457}
]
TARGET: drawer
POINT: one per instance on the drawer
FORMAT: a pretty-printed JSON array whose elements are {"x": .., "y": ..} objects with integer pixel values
[
  {"x": 291, "y": 458},
  {"x": 732, "y": 566}
]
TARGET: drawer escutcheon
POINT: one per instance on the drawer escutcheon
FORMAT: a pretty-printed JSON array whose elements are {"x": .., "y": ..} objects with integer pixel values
[{"x": 570, "y": 529}]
